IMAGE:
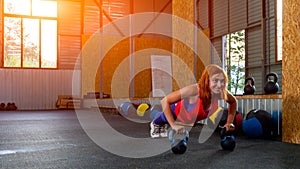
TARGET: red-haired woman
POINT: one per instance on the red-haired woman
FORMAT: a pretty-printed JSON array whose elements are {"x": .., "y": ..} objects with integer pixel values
[{"x": 195, "y": 102}]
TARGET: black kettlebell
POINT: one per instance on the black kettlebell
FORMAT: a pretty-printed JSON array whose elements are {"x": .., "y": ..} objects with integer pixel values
[
  {"x": 271, "y": 86},
  {"x": 178, "y": 145},
  {"x": 227, "y": 140},
  {"x": 249, "y": 86},
  {"x": 2, "y": 106}
]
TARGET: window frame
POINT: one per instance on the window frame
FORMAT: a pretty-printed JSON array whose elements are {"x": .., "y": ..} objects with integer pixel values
[{"x": 30, "y": 16}]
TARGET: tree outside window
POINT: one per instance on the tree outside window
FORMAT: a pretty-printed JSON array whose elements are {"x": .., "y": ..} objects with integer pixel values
[{"x": 235, "y": 61}]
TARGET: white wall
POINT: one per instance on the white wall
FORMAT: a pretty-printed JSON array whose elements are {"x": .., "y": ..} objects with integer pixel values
[{"x": 36, "y": 89}]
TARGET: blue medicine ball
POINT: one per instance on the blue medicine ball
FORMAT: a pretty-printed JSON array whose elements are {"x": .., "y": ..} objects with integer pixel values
[
  {"x": 260, "y": 126},
  {"x": 252, "y": 128}
]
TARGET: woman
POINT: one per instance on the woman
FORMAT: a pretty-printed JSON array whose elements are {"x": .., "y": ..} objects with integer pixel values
[{"x": 195, "y": 102}]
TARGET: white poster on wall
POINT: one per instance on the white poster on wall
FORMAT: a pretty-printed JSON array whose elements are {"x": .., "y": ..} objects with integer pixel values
[{"x": 161, "y": 75}]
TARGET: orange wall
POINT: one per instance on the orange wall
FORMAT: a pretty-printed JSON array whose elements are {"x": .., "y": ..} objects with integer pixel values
[
  {"x": 144, "y": 48},
  {"x": 116, "y": 64}
]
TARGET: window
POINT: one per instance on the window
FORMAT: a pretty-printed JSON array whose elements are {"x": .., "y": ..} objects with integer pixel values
[
  {"x": 234, "y": 59},
  {"x": 279, "y": 30},
  {"x": 30, "y": 33}
]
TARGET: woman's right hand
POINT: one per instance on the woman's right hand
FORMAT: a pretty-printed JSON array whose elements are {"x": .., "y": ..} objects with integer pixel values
[{"x": 178, "y": 128}]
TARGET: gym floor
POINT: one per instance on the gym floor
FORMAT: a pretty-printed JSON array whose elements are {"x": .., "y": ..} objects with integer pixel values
[{"x": 55, "y": 139}]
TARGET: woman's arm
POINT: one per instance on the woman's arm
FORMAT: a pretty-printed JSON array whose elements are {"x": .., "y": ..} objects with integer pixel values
[
  {"x": 232, "y": 104},
  {"x": 175, "y": 97}
]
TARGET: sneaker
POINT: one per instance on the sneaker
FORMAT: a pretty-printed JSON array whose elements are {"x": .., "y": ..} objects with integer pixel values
[
  {"x": 154, "y": 130},
  {"x": 164, "y": 130}
]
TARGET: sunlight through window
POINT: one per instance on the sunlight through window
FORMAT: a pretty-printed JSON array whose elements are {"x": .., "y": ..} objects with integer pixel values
[
  {"x": 21, "y": 7},
  {"x": 279, "y": 30},
  {"x": 30, "y": 33},
  {"x": 44, "y": 8},
  {"x": 49, "y": 43},
  {"x": 30, "y": 43}
]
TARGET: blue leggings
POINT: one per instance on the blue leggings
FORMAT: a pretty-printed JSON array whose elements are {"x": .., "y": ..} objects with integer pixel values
[{"x": 160, "y": 118}]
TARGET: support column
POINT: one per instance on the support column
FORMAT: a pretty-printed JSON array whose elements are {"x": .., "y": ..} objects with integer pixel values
[
  {"x": 290, "y": 72},
  {"x": 183, "y": 54}
]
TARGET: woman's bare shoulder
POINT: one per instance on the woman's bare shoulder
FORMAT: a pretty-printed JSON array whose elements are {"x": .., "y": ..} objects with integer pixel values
[
  {"x": 230, "y": 97},
  {"x": 190, "y": 90}
]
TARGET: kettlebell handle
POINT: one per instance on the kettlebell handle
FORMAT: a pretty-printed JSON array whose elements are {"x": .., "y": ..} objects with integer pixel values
[
  {"x": 224, "y": 138},
  {"x": 251, "y": 79},
  {"x": 225, "y": 133},
  {"x": 172, "y": 134},
  {"x": 272, "y": 74}
]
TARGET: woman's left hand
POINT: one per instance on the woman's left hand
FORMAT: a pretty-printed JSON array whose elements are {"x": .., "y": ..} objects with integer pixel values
[{"x": 229, "y": 127}]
